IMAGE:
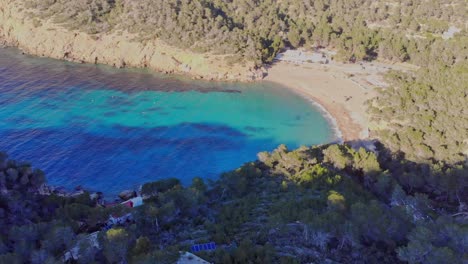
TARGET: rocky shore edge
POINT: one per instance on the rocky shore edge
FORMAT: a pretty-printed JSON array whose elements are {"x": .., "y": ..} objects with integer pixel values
[
  {"x": 16, "y": 175},
  {"x": 118, "y": 49},
  {"x": 125, "y": 195}
]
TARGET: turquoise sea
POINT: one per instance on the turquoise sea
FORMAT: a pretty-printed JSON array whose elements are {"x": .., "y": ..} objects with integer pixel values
[{"x": 108, "y": 129}]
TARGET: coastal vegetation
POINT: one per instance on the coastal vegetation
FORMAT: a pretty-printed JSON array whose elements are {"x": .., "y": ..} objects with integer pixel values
[
  {"x": 258, "y": 30},
  {"x": 421, "y": 118},
  {"x": 404, "y": 201},
  {"x": 423, "y": 114},
  {"x": 324, "y": 203}
]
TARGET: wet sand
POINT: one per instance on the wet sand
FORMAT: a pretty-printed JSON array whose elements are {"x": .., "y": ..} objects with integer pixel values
[{"x": 332, "y": 87}]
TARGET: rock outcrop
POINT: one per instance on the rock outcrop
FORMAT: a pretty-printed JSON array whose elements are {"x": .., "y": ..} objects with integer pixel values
[{"x": 116, "y": 48}]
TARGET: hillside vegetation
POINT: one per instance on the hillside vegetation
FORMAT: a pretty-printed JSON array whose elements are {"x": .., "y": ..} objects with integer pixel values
[
  {"x": 257, "y": 30},
  {"x": 327, "y": 204},
  {"x": 405, "y": 202},
  {"x": 425, "y": 114}
]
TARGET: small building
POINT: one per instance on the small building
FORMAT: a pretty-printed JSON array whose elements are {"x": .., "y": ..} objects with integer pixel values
[
  {"x": 134, "y": 202},
  {"x": 189, "y": 258},
  {"x": 301, "y": 57}
]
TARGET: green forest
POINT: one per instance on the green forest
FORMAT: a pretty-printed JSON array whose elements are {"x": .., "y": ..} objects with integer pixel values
[
  {"x": 326, "y": 204},
  {"x": 257, "y": 30},
  {"x": 405, "y": 202}
]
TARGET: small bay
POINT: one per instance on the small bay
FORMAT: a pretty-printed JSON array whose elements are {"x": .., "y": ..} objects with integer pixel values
[{"x": 108, "y": 129}]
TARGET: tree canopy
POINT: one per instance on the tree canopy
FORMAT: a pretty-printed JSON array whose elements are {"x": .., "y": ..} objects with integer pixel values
[{"x": 257, "y": 30}]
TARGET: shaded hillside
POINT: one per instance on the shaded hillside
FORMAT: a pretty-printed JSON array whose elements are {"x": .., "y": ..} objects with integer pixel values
[{"x": 329, "y": 203}]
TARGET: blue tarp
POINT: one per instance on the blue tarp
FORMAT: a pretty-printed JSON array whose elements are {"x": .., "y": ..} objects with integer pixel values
[{"x": 203, "y": 247}]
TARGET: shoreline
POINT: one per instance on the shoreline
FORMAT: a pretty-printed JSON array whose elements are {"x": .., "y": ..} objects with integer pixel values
[
  {"x": 331, "y": 119},
  {"x": 341, "y": 100},
  {"x": 338, "y": 114},
  {"x": 339, "y": 90},
  {"x": 337, "y": 133},
  {"x": 338, "y": 126},
  {"x": 341, "y": 122}
]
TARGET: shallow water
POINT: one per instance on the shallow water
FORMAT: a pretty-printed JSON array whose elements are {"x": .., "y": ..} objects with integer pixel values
[{"x": 107, "y": 129}]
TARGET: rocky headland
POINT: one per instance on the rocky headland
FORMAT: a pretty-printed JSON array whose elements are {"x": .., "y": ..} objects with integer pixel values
[{"x": 43, "y": 37}]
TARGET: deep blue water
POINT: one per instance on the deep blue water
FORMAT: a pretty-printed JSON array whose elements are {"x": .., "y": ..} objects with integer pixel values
[{"x": 107, "y": 129}]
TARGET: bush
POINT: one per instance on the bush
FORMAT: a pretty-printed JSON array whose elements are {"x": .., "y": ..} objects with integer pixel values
[{"x": 153, "y": 188}]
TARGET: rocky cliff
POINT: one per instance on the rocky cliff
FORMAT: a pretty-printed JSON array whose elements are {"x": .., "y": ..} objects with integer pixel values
[{"x": 44, "y": 38}]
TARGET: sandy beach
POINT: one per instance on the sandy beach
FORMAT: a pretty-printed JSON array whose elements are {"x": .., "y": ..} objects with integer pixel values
[{"x": 340, "y": 89}]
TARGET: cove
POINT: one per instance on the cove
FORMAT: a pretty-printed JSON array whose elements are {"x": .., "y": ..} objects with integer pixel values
[{"x": 108, "y": 129}]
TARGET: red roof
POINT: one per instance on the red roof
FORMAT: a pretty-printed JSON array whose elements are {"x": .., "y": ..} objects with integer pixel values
[{"x": 128, "y": 204}]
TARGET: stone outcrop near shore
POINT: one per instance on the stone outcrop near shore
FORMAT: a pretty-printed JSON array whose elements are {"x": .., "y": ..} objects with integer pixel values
[{"x": 119, "y": 49}]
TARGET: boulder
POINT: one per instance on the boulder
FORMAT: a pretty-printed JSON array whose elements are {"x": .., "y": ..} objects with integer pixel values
[
  {"x": 128, "y": 194},
  {"x": 45, "y": 189},
  {"x": 60, "y": 191}
]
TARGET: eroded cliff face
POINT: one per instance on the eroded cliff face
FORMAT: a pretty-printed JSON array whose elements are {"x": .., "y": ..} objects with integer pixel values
[{"x": 119, "y": 49}]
